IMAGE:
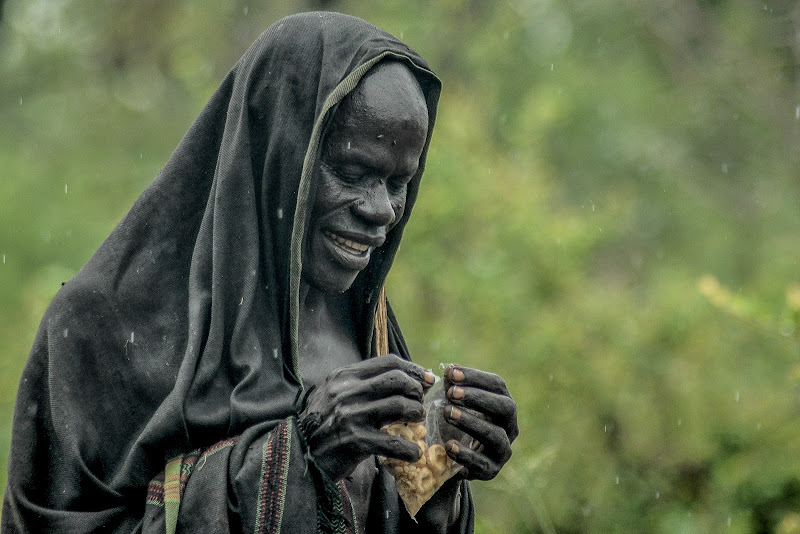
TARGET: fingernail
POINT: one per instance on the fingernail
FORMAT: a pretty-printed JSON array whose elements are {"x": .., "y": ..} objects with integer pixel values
[
  {"x": 456, "y": 375},
  {"x": 455, "y": 392},
  {"x": 452, "y": 447},
  {"x": 475, "y": 445},
  {"x": 455, "y": 413},
  {"x": 430, "y": 378}
]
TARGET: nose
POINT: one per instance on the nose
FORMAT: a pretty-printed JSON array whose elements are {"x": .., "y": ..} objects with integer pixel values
[{"x": 375, "y": 206}]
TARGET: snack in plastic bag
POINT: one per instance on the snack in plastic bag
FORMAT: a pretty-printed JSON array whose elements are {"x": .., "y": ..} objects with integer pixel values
[{"x": 417, "y": 481}]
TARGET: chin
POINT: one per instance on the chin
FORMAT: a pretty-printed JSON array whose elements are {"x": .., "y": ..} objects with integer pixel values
[{"x": 331, "y": 284}]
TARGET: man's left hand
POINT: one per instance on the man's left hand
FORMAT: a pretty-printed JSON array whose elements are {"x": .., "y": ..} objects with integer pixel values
[{"x": 481, "y": 406}]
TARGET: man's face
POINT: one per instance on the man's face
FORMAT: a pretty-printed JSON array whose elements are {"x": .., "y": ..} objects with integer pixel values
[{"x": 369, "y": 155}]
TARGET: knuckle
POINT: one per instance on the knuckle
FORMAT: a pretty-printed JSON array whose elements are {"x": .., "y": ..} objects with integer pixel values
[
  {"x": 335, "y": 376},
  {"x": 394, "y": 377},
  {"x": 415, "y": 410},
  {"x": 408, "y": 407},
  {"x": 486, "y": 469},
  {"x": 341, "y": 414},
  {"x": 513, "y": 433},
  {"x": 392, "y": 360},
  {"x": 337, "y": 373},
  {"x": 505, "y": 456},
  {"x": 511, "y": 411}
]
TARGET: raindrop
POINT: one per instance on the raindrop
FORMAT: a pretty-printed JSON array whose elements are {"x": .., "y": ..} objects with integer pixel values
[
  {"x": 275, "y": 353},
  {"x": 758, "y": 425},
  {"x": 20, "y": 101},
  {"x": 245, "y": 10},
  {"x": 658, "y": 495},
  {"x": 401, "y": 35},
  {"x": 552, "y": 66},
  {"x": 737, "y": 396},
  {"x": 4, "y": 258},
  {"x": 729, "y": 521},
  {"x": 66, "y": 332},
  {"x": 796, "y": 110},
  {"x": 679, "y": 422},
  {"x": 617, "y": 479},
  {"x": 66, "y": 189},
  {"x": 141, "y": 155},
  {"x": 505, "y": 36},
  {"x": 280, "y": 213},
  {"x": 725, "y": 168},
  {"x": 131, "y": 337},
  {"x": 348, "y": 145}
]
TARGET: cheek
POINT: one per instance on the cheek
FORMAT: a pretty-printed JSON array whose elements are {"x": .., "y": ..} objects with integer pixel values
[{"x": 330, "y": 195}]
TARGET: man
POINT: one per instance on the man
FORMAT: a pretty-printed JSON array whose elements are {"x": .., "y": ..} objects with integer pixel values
[{"x": 220, "y": 340}]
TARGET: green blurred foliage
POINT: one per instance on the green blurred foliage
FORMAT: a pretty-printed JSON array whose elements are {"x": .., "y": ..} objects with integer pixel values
[{"x": 608, "y": 219}]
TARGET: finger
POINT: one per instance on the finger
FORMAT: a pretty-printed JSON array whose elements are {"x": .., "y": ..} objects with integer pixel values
[
  {"x": 381, "y": 444},
  {"x": 478, "y": 466},
  {"x": 394, "y": 382},
  {"x": 360, "y": 382},
  {"x": 339, "y": 455},
  {"x": 389, "y": 362},
  {"x": 417, "y": 372},
  {"x": 495, "y": 441},
  {"x": 500, "y": 409},
  {"x": 456, "y": 374},
  {"x": 380, "y": 412},
  {"x": 356, "y": 391}
]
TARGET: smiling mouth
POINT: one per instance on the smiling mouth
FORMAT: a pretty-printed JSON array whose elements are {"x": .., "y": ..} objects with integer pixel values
[{"x": 348, "y": 245}]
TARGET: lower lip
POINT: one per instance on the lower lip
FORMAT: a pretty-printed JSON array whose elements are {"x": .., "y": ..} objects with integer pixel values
[{"x": 348, "y": 258}]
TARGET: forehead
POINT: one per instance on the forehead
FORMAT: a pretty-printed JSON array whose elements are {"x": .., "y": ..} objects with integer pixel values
[{"x": 388, "y": 94}]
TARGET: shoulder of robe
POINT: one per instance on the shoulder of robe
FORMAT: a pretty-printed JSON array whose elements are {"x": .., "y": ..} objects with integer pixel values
[{"x": 77, "y": 309}]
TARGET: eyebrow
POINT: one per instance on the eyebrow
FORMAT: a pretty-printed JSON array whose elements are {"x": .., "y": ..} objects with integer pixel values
[{"x": 356, "y": 157}]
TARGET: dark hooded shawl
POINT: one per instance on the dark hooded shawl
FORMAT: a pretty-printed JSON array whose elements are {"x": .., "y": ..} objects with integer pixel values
[{"x": 163, "y": 387}]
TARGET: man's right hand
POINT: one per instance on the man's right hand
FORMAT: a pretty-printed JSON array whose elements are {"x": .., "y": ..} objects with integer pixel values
[{"x": 355, "y": 401}]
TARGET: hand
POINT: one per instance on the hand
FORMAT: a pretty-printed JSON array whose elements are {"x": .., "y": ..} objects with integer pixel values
[
  {"x": 354, "y": 402},
  {"x": 481, "y": 406}
]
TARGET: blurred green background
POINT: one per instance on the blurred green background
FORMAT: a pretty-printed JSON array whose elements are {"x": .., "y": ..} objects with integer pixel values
[{"x": 609, "y": 219}]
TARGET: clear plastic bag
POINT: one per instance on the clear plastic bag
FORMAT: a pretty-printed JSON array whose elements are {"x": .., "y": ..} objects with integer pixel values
[{"x": 417, "y": 482}]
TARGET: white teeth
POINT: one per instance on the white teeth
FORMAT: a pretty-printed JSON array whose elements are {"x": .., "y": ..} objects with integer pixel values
[{"x": 358, "y": 247}]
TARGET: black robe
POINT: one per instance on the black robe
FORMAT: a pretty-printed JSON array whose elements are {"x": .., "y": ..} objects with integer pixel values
[{"x": 163, "y": 386}]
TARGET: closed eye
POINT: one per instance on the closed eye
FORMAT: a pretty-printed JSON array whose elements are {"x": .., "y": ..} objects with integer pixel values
[
  {"x": 398, "y": 183},
  {"x": 350, "y": 173}
]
